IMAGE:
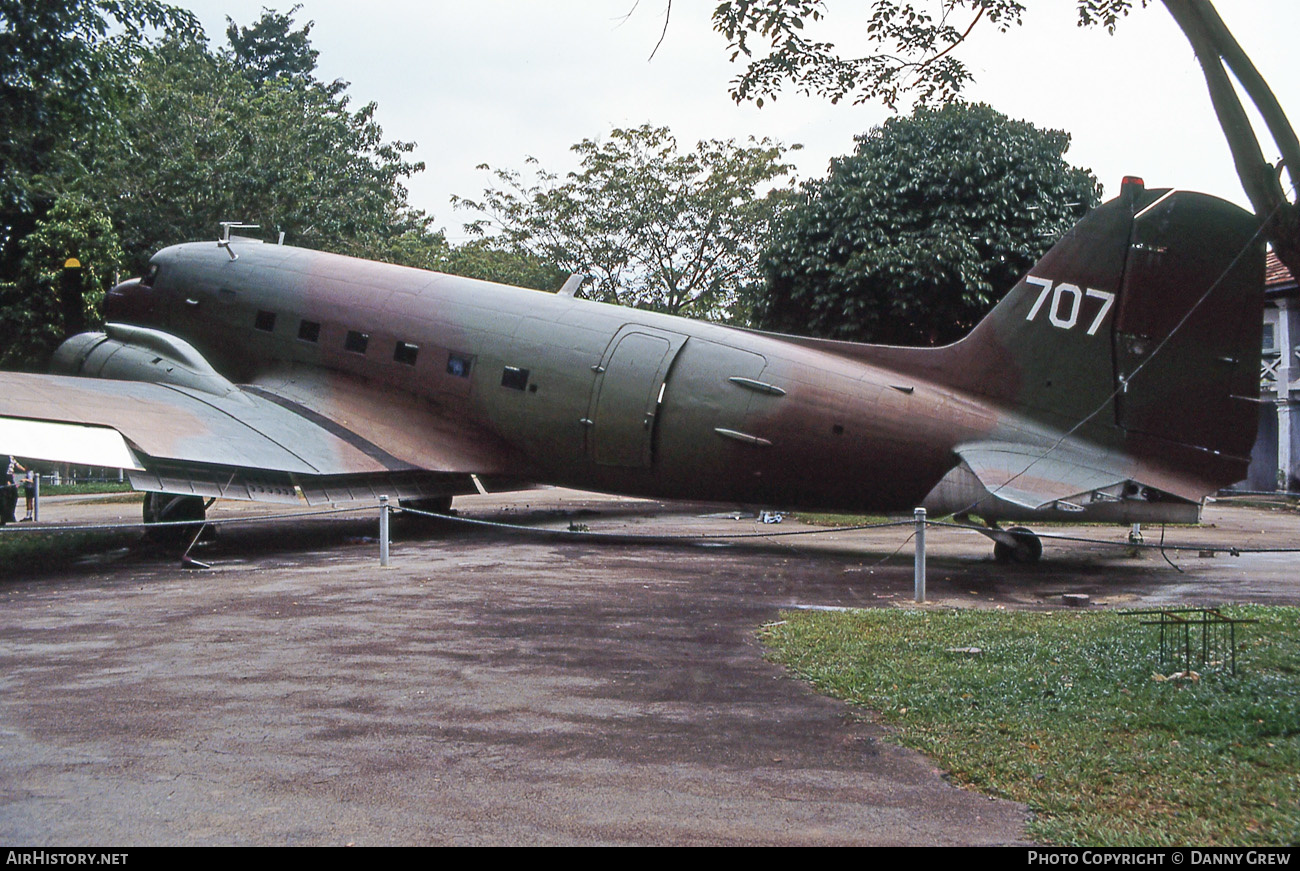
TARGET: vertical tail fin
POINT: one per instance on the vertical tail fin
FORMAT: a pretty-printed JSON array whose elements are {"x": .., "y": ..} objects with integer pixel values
[
  {"x": 1141, "y": 326},
  {"x": 1144, "y": 320}
]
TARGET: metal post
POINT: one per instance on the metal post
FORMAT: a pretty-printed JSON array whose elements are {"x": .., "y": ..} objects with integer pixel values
[
  {"x": 919, "y": 573},
  {"x": 383, "y": 531},
  {"x": 36, "y": 497},
  {"x": 1284, "y": 409}
]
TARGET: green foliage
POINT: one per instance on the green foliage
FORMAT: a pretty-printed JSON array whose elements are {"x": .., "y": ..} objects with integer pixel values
[
  {"x": 204, "y": 143},
  {"x": 1063, "y": 711},
  {"x": 911, "y": 46},
  {"x": 121, "y": 103},
  {"x": 481, "y": 258},
  {"x": 653, "y": 226},
  {"x": 271, "y": 48},
  {"x": 914, "y": 51},
  {"x": 63, "y": 70},
  {"x": 478, "y": 258},
  {"x": 915, "y": 236},
  {"x": 92, "y": 488},
  {"x": 168, "y": 137},
  {"x": 30, "y": 307}
]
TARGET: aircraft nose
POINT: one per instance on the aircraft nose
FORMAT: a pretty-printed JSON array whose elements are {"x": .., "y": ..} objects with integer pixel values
[{"x": 128, "y": 302}]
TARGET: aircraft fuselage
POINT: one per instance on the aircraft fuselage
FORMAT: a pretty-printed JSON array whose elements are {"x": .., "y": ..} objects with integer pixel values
[{"x": 591, "y": 395}]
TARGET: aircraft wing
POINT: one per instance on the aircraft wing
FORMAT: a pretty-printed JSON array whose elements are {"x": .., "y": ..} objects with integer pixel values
[{"x": 251, "y": 442}]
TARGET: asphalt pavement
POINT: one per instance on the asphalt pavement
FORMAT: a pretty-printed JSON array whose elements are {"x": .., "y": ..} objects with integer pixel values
[{"x": 493, "y": 688}]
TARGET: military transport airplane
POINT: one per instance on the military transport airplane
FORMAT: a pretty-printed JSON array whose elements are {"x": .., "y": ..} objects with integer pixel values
[{"x": 1117, "y": 381}]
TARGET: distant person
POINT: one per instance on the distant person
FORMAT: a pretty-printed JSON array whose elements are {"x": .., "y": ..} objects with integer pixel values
[
  {"x": 29, "y": 492},
  {"x": 9, "y": 498}
]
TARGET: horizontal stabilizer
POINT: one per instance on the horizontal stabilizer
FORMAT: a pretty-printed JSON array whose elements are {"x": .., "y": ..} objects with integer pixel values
[{"x": 1036, "y": 477}]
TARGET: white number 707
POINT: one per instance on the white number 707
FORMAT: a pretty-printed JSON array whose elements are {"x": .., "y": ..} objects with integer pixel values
[{"x": 1072, "y": 297}]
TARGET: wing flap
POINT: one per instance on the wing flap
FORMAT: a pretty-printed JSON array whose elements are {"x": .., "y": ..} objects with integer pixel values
[{"x": 67, "y": 443}]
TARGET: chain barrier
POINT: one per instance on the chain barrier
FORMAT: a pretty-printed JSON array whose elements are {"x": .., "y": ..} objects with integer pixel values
[{"x": 653, "y": 538}]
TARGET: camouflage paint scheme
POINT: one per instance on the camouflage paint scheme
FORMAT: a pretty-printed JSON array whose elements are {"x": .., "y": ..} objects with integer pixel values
[{"x": 1116, "y": 381}]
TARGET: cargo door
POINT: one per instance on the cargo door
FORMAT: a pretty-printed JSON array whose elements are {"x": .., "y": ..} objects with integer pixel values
[{"x": 625, "y": 399}]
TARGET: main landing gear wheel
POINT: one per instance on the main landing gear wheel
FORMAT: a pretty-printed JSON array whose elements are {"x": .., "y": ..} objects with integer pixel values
[
  {"x": 169, "y": 507},
  {"x": 1027, "y": 548}
]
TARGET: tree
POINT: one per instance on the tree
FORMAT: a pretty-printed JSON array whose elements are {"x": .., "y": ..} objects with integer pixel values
[
  {"x": 915, "y": 52},
  {"x": 271, "y": 48},
  {"x": 167, "y": 138},
  {"x": 63, "y": 66},
  {"x": 211, "y": 137},
  {"x": 478, "y": 258},
  {"x": 653, "y": 226},
  {"x": 31, "y": 307},
  {"x": 910, "y": 239}
]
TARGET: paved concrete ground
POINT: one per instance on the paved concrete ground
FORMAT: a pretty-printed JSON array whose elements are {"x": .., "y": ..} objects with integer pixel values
[{"x": 493, "y": 689}]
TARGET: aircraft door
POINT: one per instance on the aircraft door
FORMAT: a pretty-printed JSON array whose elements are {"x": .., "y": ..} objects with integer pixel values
[{"x": 626, "y": 396}]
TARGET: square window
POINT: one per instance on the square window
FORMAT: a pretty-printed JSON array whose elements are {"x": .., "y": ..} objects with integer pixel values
[
  {"x": 514, "y": 378},
  {"x": 356, "y": 342},
  {"x": 265, "y": 321},
  {"x": 458, "y": 365},
  {"x": 309, "y": 331},
  {"x": 406, "y": 353}
]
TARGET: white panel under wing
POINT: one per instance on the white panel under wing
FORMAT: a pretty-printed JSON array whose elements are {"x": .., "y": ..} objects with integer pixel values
[{"x": 66, "y": 443}]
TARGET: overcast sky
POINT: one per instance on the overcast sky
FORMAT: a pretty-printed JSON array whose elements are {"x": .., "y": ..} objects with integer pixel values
[{"x": 494, "y": 81}]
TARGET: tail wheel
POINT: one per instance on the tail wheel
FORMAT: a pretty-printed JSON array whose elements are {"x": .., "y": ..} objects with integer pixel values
[
  {"x": 169, "y": 508},
  {"x": 1028, "y": 547}
]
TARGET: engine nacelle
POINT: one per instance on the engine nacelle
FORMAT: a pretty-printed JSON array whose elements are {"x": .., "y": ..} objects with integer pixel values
[{"x": 129, "y": 353}]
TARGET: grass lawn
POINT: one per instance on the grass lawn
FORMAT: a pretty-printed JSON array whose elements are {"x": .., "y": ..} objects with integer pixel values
[{"x": 1067, "y": 713}]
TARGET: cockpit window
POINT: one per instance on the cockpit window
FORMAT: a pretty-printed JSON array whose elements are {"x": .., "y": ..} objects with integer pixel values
[{"x": 149, "y": 277}]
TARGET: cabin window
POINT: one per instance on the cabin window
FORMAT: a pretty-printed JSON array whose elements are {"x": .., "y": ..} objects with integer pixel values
[
  {"x": 406, "y": 353},
  {"x": 265, "y": 321},
  {"x": 356, "y": 342},
  {"x": 458, "y": 365},
  {"x": 514, "y": 378},
  {"x": 309, "y": 331},
  {"x": 1269, "y": 342}
]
